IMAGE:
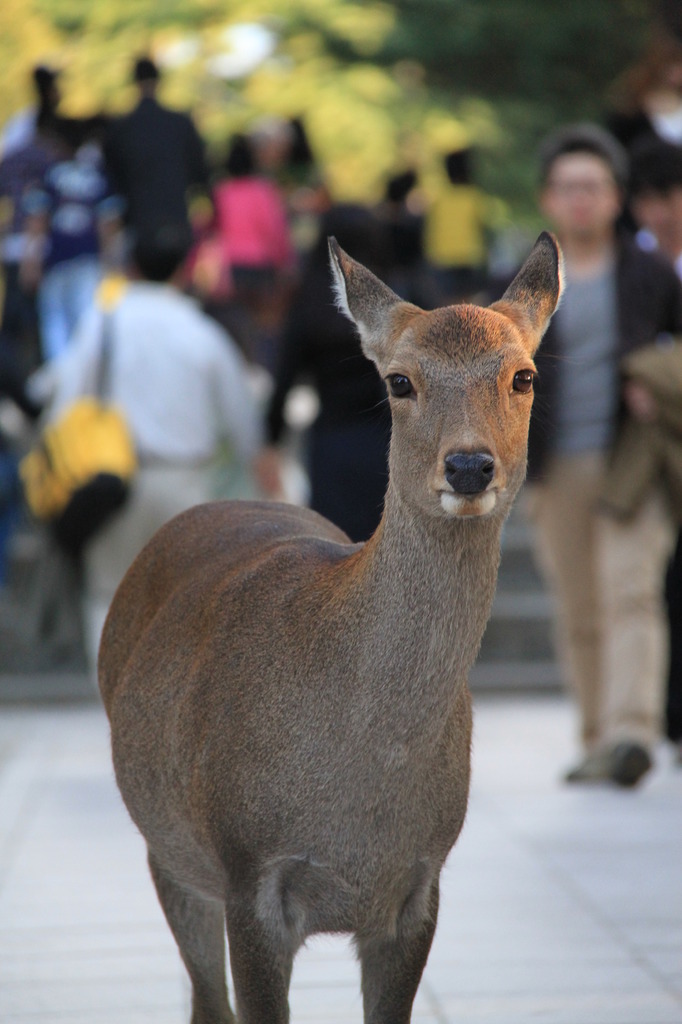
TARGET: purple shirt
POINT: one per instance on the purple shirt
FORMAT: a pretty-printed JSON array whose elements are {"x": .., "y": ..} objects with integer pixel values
[
  {"x": 76, "y": 193},
  {"x": 20, "y": 172}
]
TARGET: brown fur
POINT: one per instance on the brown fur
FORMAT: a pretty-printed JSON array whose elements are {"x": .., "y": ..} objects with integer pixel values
[{"x": 289, "y": 712}]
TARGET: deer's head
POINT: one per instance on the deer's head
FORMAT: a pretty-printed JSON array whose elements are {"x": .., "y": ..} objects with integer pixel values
[{"x": 460, "y": 382}]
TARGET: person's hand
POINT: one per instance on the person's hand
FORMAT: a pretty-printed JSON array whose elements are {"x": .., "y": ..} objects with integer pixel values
[
  {"x": 640, "y": 402},
  {"x": 30, "y": 273},
  {"x": 267, "y": 469}
]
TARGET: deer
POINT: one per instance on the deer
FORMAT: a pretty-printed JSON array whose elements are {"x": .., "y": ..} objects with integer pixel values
[{"x": 290, "y": 713}]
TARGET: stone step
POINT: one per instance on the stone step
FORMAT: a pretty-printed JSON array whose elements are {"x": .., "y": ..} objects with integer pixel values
[
  {"x": 520, "y": 628},
  {"x": 52, "y": 686},
  {"x": 515, "y": 676},
  {"x": 518, "y": 647},
  {"x": 519, "y": 570},
  {"x": 40, "y": 626}
]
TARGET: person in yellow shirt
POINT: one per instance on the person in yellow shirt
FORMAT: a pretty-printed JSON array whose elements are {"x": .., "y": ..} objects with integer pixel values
[{"x": 455, "y": 244}]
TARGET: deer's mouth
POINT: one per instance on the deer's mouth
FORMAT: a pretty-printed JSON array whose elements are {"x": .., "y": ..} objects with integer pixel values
[{"x": 468, "y": 505}]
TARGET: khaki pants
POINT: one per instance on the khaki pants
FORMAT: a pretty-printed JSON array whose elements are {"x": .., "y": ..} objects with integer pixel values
[
  {"x": 607, "y": 577},
  {"x": 158, "y": 494}
]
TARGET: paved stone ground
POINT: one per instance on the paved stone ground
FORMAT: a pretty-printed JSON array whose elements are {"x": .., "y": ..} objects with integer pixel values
[{"x": 560, "y": 905}]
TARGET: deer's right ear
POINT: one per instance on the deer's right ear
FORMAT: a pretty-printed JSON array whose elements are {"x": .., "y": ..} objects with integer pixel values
[
  {"x": 536, "y": 290},
  {"x": 367, "y": 301}
]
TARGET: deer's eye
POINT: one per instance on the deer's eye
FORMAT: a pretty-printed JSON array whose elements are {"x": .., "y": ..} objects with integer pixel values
[
  {"x": 523, "y": 381},
  {"x": 400, "y": 386}
]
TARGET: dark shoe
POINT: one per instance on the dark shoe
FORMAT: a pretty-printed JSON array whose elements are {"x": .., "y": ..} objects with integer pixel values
[
  {"x": 629, "y": 763},
  {"x": 596, "y": 767}
]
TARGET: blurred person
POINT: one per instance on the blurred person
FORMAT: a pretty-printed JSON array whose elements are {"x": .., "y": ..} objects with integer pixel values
[
  {"x": 646, "y": 100},
  {"x": 70, "y": 215},
  {"x": 656, "y": 203},
  {"x": 28, "y": 157},
  {"x": 12, "y": 387},
  {"x": 22, "y": 129},
  {"x": 271, "y": 140},
  {"x": 655, "y": 194},
  {"x": 254, "y": 241},
  {"x": 301, "y": 165},
  {"x": 347, "y": 451},
  {"x": 305, "y": 191},
  {"x": 22, "y": 170},
  {"x": 184, "y": 389},
  {"x": 44, "y": 120},
  {"x": 251, "y": 221},
  {"x": 607, "y": 574},
  {"x": 455, "y": 243},
  {"x": 28, "y": 147},
  {"x": 155, "y": 157},
  {"x": 405, "y": 230}
]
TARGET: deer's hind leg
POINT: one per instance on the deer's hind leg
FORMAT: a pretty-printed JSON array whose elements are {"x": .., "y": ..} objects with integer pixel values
[
  {"x": 261, "y": 962},
  {"x": 392, "y": 967},
  {"x": 198, "y": 925}
]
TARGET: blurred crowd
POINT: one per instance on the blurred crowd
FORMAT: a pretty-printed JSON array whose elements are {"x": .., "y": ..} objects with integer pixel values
[
  {"x": 223, "y": 307},
  {"x": 245, "y": 242}
]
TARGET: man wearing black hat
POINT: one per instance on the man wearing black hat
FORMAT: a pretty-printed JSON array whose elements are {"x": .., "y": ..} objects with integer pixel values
[{"x": 155, "y": 157}]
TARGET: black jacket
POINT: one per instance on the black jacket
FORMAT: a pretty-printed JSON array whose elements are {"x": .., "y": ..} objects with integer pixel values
[
  {"x": 154, "y": 156},
  {"x": 649, "y": 296}
]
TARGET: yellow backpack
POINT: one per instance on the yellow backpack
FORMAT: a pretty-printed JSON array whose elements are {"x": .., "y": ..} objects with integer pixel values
[{"x": 79, "y": 471}]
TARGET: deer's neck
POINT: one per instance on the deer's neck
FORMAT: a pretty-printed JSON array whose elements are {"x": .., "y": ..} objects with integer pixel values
[{"x": 427, "y": 594}]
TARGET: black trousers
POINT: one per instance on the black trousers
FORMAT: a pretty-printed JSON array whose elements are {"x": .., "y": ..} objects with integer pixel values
[
  {"x": 348, "y": 466},
  {"x": 19, "y": 323}
]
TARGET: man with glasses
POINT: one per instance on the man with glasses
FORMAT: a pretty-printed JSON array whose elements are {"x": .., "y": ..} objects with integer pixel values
[{"x": 606, "y": 573}]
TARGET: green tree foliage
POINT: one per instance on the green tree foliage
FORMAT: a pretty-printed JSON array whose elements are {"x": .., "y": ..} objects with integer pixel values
[
  {"x": 536, "y": 64},
  {"x": 381, "y": 85}
]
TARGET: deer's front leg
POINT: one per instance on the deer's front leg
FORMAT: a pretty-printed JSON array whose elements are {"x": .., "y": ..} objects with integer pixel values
[{"x": 392, "y": 968}]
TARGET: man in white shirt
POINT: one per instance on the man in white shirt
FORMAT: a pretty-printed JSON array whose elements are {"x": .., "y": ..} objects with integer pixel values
[{"x": 185, "y": 391}]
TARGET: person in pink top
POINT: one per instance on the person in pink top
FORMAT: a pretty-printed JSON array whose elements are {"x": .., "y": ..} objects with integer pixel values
[
  {"x": 252, "y": 220},
  {"x": 253, "y": 226},
  {"x": 252, "y": 238}
]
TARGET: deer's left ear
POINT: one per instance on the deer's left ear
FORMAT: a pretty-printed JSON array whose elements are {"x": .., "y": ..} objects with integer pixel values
[
  {"x": 534, "y": 294},
  {"x": 375, "y": 310}
]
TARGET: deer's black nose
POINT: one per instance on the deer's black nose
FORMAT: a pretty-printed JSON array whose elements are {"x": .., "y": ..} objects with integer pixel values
[{"x": 469, "y": 472}]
